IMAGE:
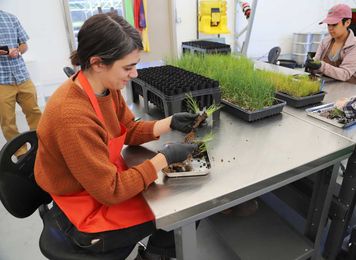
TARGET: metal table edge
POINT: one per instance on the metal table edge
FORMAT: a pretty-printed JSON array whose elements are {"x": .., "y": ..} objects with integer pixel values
[{"x": 209, "y": 208}]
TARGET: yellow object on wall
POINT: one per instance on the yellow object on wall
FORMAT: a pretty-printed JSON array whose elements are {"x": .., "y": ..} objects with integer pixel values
[{"x": 212, "y": 17}]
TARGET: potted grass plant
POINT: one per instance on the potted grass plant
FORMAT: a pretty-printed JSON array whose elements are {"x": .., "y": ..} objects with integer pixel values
[
  {"x": 296, "y": 90},
  {"x": 245, "y": 93}
]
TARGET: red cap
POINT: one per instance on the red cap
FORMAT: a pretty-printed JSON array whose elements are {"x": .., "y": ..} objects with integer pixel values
[{"x": 337, "y": 13}]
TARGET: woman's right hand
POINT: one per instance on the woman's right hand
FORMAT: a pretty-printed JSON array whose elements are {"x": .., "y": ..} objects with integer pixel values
[{"x": 177, "y": 152}]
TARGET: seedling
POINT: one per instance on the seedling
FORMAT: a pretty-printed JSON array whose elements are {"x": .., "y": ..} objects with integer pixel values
[
  {"x": 202, "y": 144},
  {"x": 202, "y": 116},
  {"x": 296, "y": 86},
  {"x": 239, "y": 82},
  {"x": 337, "y": 114},
  {"x": 198, "y": 154}
]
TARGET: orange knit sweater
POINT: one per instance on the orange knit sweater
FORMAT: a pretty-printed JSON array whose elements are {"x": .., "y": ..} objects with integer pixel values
[{"x": 73, "y": 153}]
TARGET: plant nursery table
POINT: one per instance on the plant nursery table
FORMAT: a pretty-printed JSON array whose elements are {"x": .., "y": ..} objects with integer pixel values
[
  {"x": 247, "y": 160},
  {"x": 344, "y": 201}
]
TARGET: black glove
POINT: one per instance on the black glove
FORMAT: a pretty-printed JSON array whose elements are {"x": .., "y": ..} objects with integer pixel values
[
  {"x": 183, "y": 121},
  {"x": 312, "y": 64},
  {"x": 177, "y": 152}
]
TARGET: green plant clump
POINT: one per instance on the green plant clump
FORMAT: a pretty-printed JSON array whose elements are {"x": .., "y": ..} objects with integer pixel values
[
  {"x": 296, "y": 86},
  {"x": 239, "y": 82}
]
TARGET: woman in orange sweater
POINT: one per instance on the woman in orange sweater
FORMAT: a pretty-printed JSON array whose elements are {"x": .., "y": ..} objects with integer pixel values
[{"x": 98, "y": 201}]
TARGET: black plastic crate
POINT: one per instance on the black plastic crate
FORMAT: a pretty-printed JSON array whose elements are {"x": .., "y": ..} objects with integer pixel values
[
  {"x": 251, "y": 116},
  {"x": 166, "y": 87},
  {"x": 206, "y": 47},
  {"x": 301, "y": 101}
]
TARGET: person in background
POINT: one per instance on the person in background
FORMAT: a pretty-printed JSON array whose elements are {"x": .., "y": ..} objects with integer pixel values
[
  {"x": 336, "y": 55},
  {"x": 15, "y": 83},
  {"x": 97, "y": 198}
]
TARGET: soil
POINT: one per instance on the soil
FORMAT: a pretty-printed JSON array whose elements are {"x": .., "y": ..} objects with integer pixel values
[
  {"x": 338, "y": 115},
  {"x": 186, "y": 166},
  {"x": 189, "y": 138},
  {"x": 178, "y": 167},
  {"x": 199, "y": 120}
]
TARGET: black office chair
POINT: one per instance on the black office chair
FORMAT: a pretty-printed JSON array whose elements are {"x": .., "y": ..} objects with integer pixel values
[
  {"x": 68, "y": 71},
  {"x": 273, "y": 55},
  {"x": 21, "y": 196}
]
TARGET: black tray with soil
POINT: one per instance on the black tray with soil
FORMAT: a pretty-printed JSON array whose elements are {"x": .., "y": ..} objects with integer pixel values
[
  {"x": 301, "y": 101},
  {"x": 251, "y": 116}
]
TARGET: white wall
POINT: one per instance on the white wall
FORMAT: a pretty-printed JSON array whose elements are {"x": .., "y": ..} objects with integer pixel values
[
  {"x": 186, "y": 22},
  {"x": 274, "y": 24},
  {"x": 48, "y": 48}
]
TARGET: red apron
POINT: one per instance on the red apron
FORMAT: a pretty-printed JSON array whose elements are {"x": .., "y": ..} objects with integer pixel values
[{"x": 89, "y": 215}]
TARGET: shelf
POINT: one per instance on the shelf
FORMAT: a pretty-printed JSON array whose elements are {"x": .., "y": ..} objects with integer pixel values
[{"x": 264, "y": 235}]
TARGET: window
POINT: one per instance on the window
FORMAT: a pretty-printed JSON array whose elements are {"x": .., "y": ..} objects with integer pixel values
[{"x": 81, "y": 10}]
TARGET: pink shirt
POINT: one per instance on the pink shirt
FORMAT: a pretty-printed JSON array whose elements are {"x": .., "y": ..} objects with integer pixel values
[{"x": 347, "y": 68}]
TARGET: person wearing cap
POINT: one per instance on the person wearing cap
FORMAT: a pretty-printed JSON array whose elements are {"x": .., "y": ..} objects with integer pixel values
[{"x": 336, "y": 55}]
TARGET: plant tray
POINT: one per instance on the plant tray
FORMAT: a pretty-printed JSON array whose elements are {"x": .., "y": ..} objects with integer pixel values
[
  {"x": 251, "y": 116},
  {"x": 316, "y": 111},
  {"x": 201, "y": 166},
  {"x": 205, "y": 47},
  {"x": 301, "y": 101},
  {"x": 176, "y": 103}
]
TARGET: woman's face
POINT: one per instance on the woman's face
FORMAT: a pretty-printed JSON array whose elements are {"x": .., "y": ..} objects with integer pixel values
[
  {"x": 117, "y": 75},
  {"x": 338, "y": 30}
]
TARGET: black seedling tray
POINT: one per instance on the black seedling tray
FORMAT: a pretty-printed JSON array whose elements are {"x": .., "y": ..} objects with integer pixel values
[
  {"x": 205, "y": 47},
  {"x": 164, "y": 87},
  {"x": 251, "y": 116},
  {"x": 301, "y": 101}
]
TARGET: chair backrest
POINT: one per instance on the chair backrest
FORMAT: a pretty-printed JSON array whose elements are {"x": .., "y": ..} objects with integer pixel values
[
  {"x": 273, "y": 55},
  {"x": 19, "y": 192},
  {"x": 68, "y": 71}
]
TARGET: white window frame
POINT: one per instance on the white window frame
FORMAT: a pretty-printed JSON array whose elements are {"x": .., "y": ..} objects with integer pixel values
[{"x": 90, "y": 10}]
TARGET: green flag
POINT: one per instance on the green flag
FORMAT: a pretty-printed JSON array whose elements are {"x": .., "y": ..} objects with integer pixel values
[{"x": 129, "y": 12}]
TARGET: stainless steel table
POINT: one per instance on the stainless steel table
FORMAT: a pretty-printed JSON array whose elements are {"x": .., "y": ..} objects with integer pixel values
[
  {"x": 345, "y": 203},
  {"x": 248, "y": 160}
]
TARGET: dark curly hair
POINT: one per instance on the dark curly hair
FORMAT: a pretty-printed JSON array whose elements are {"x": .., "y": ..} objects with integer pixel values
[{"x": 108, "y": 36}]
